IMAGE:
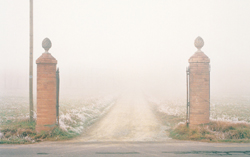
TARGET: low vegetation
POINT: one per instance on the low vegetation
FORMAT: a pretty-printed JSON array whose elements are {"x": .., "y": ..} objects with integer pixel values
[
  {"x": 168, "y": 120},
  {"x": 23, "y": 131},
  {"x": 75, "y": 117},
  {"x": 227, "y": 127},
  {"x": 215, "y": 131}
]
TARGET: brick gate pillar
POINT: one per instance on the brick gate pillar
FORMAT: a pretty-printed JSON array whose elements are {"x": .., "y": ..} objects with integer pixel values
[
  {"x": 46, "y": 89},
  {"x": 199, "y": 85}
]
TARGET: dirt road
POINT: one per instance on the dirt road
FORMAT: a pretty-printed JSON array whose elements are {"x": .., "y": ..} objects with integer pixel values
[{"x": 131, "y": 119}]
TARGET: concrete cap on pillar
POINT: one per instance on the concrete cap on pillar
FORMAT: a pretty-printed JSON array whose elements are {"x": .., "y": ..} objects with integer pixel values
[
  {"x": 46, "y": 57},
  {"x": 199, "y": 56}
]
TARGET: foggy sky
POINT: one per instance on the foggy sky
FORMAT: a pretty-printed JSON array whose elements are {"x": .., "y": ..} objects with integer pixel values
[{"x": 109, "y": 45}]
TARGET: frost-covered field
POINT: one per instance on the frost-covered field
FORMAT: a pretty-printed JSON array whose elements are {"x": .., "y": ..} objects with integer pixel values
[
  {"x": 78, "y": 114},
  {"x": 75, "y": 114},
  {"x": 13, "y": 108},
  {"x": 226, "y": 108},
  {"x": 230, "y": 108}
]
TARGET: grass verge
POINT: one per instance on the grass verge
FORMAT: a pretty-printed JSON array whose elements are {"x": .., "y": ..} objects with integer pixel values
[
  {"x": 23, "y": 132},
  {"x": 215, "y": 131},
  {"x": 168, "y": 120}
]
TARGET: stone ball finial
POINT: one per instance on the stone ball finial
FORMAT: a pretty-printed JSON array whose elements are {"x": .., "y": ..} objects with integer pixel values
[
  {"x": 46, "y": 44},
  {"x": 199, "y": 43}
]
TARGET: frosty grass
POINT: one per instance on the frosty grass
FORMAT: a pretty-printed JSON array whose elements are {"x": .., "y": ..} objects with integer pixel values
[
  {"x": 232, "y": 109},
  {"x": 75, "y": 115}
]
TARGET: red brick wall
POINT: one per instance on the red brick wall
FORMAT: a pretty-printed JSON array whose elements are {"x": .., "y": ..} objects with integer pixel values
[
  {"x": 46, "y": 92},
  {"x": 199, "y": 88}
]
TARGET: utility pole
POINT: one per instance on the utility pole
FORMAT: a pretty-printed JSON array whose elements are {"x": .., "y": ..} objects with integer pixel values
[{"x": 31, "y": 62}]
